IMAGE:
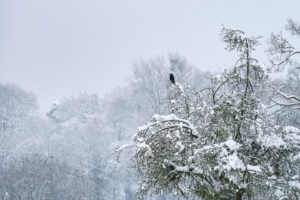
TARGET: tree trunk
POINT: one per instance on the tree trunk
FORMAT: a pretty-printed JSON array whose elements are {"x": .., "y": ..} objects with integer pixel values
[{"x": 238, "y": 196}]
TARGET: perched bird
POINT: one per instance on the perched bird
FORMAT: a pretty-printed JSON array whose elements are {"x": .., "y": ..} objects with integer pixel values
[{"x": 172, "y": 79}]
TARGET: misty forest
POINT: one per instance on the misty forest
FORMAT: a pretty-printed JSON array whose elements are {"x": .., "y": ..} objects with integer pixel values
[{"x": 226, "y": 134}]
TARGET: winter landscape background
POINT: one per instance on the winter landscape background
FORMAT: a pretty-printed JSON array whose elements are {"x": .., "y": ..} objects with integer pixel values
[{"x": 87, "y": 110}]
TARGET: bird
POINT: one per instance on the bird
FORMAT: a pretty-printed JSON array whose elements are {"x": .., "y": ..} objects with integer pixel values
[{"x": 172, "y": 79}]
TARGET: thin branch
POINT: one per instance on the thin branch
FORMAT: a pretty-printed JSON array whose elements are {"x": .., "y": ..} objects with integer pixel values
[{"x": 287, "y": 58}]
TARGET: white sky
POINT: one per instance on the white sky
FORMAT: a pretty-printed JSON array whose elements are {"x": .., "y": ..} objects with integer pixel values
[{"x": 58, "y": 48}]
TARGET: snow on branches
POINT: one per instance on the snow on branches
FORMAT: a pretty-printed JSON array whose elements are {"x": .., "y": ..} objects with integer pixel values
[{"x": 225, "y": 147}]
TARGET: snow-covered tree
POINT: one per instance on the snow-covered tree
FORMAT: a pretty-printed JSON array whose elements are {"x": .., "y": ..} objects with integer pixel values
[
  {"x": 39, "y": 177},
  {"x": 281, "y": 51},
  {"x": 79, "y": 129},
  {"x": 226, "y": 148},
  {"x": 285, "y": 70},
  {"x": 22, "y": 130},
  {"x": 81, "y": 138}
]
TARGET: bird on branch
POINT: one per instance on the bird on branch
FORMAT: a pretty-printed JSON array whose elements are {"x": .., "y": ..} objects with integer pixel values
[{"x": 172, "y": 79}]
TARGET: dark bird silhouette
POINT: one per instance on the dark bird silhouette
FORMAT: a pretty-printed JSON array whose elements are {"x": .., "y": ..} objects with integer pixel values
[{"x": 172, "y": 79}]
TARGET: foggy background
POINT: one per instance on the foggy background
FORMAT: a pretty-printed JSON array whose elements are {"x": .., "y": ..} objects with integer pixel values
[
  {"x": 84, "y": 80},
  {"x": 58, "y": 48}
]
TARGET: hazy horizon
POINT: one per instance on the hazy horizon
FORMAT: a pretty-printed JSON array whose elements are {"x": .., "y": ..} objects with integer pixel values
[{"x": 62, "y": 48}]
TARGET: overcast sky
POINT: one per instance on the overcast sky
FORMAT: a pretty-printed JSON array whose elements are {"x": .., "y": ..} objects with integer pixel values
[{"x": 58, "y": 48}]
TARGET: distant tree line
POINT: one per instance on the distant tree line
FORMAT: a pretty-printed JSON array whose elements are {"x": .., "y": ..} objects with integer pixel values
[{"x": 231, "y": 134}]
